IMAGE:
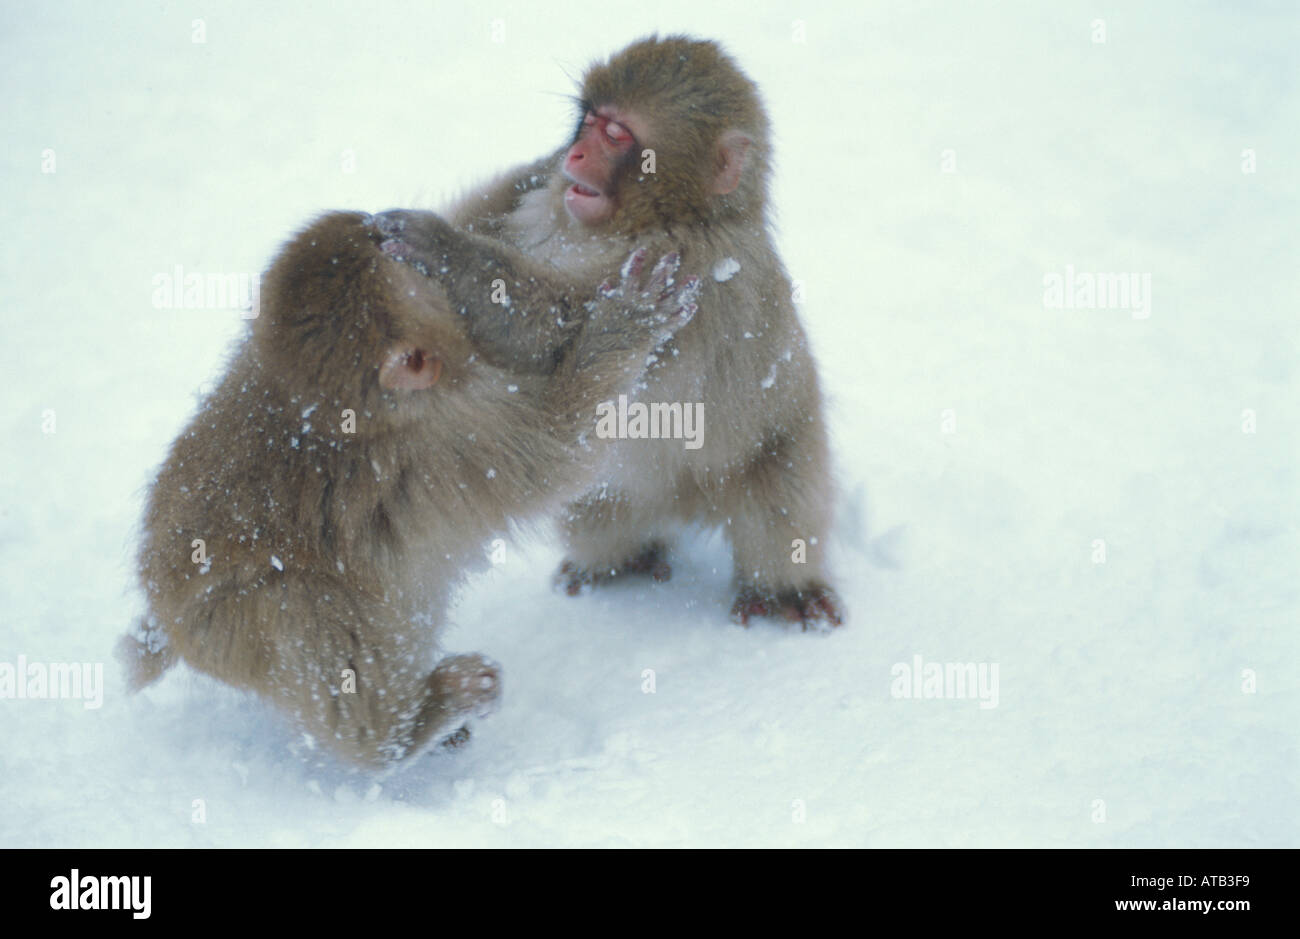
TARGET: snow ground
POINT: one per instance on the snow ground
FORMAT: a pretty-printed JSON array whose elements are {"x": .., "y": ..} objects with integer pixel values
[{"x": 1125, "y": 713}]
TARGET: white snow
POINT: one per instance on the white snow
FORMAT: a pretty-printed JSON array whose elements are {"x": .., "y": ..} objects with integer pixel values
[
  {"x": 725, "y": 269},
  {"x": 990, "y": 447}
]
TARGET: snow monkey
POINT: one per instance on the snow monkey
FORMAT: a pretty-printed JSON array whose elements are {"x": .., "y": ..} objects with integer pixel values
[
  {"x": 304, "y": 532},
  {"x": 670, "y": 150}
]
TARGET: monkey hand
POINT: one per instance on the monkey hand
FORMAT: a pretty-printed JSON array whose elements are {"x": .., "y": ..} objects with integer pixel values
[
  {"x": 661, "y": 305},
  {"x": 493, "y": 284},
  {"x": 461, "y": 687},
  {"x": 424, "y": 240},
  {"x": 813, "y": 606}
]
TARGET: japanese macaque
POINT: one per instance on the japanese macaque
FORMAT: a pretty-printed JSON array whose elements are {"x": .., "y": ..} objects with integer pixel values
[
  {"x": 302, "y": 537},
  {"x": 670, "y": 151}
]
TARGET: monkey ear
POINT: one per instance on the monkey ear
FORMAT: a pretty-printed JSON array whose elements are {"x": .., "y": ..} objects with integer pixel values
[
  {"x": 408, "y": 368},
  {"x": 732, "y": 148}
]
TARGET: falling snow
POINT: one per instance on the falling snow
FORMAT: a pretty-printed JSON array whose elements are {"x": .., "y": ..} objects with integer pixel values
[
  {"x": 725, "y": 269},
  {"x": 983, "y": 444}
]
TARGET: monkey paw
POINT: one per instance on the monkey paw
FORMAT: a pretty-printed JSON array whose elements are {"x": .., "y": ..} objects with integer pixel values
[
  {"x": 456, "y": 739},
  {"x": 650, "y": 561},
  {"x": 466, "y": 685},
  {"x": 417, "y": 238},
  {"x": 658, "y": 300},
  {"x": 814, "y": 606}
]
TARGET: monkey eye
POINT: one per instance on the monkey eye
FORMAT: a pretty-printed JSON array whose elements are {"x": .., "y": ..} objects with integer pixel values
[
  {"x": 617, "y": 133},
  {"x": 614, "y": 132}
]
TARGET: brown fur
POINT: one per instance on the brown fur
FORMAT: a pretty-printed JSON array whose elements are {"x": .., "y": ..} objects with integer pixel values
[
  {"x": 763, "y": 472},
  {"x": 332, "y": 553},
  {"x": 690, "y": 93}
]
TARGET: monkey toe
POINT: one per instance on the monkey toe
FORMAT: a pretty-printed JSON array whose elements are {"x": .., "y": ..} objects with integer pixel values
[
  {"x": 748, "y": 603},
  {"x": 813, "y": 607},
  {"x": 456, "y": 739},
  {"x": 468, "y": 684},
  {"x": 650, "y": 561},
  {"x": 572, "y": 579}
]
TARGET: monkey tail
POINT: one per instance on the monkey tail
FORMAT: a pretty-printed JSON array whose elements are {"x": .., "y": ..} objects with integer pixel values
[{"x": 144, "y": 655}]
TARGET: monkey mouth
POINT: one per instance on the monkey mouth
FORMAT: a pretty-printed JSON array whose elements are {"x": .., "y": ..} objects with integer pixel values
[{"x": 587, "y": 205}]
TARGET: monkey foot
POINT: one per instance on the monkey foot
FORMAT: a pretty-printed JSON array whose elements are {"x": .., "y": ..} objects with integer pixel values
[
  {"x": 650, "y": 561},
  {"x": 456, "y": 739},
  {"x": 814, "y": 606}
]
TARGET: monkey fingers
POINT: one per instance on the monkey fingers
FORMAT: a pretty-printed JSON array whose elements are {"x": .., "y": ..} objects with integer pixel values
[
  {"x": 461, "y": 686},
  {"x": 688, "y": 297},
  {"x": 467, "y": 684},
  {"x": 456, "y": 739},
  {"x": 661, "y": 278},
  {"x": 631, "y": 269},
  {"x": 409, "y": 223},
  {"x": 650, "y": 561},
  {"x": 421, "y": 239},
  {"x": 661, "y": 287},
  {"x": 815, "y": 606},
  {"x": 399, "y": 250}
]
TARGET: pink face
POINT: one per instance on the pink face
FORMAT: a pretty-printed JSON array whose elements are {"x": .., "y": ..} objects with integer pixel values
[{"x": 606, "y": 140}]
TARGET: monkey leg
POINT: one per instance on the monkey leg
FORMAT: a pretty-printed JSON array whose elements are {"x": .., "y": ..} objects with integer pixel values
[
  {"x": 651, "y": 560},
  {"x": 144, "y": 654},
  {"x": 342, "y": 664},
  {"x": 467, "y": 685},
  {"x": 608, "y": 537},
  {"x": 388, "y": 713},
  {"x": 777, "y": 515}
]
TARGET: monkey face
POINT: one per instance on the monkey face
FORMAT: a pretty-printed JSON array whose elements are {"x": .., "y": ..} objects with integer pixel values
[
  {"x": 604, "y": 146},
  {"x": 350, "y": 327},
  {"x": 671, "y": 133}
]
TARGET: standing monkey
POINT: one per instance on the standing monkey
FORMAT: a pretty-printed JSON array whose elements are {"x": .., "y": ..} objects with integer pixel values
[
  {"x": 671, "y": 150},
  {"x": 356, "y": 439}
]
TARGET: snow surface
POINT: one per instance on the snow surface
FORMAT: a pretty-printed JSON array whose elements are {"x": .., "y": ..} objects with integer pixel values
[{"x": 983, "y": 441}]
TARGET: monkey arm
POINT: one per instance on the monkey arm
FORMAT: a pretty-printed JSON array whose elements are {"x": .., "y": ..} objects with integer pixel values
[
  {"x": 483, "y": 211},
  {"x": 520, "y": 312},
  {"x": 625, "y": 324}
]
